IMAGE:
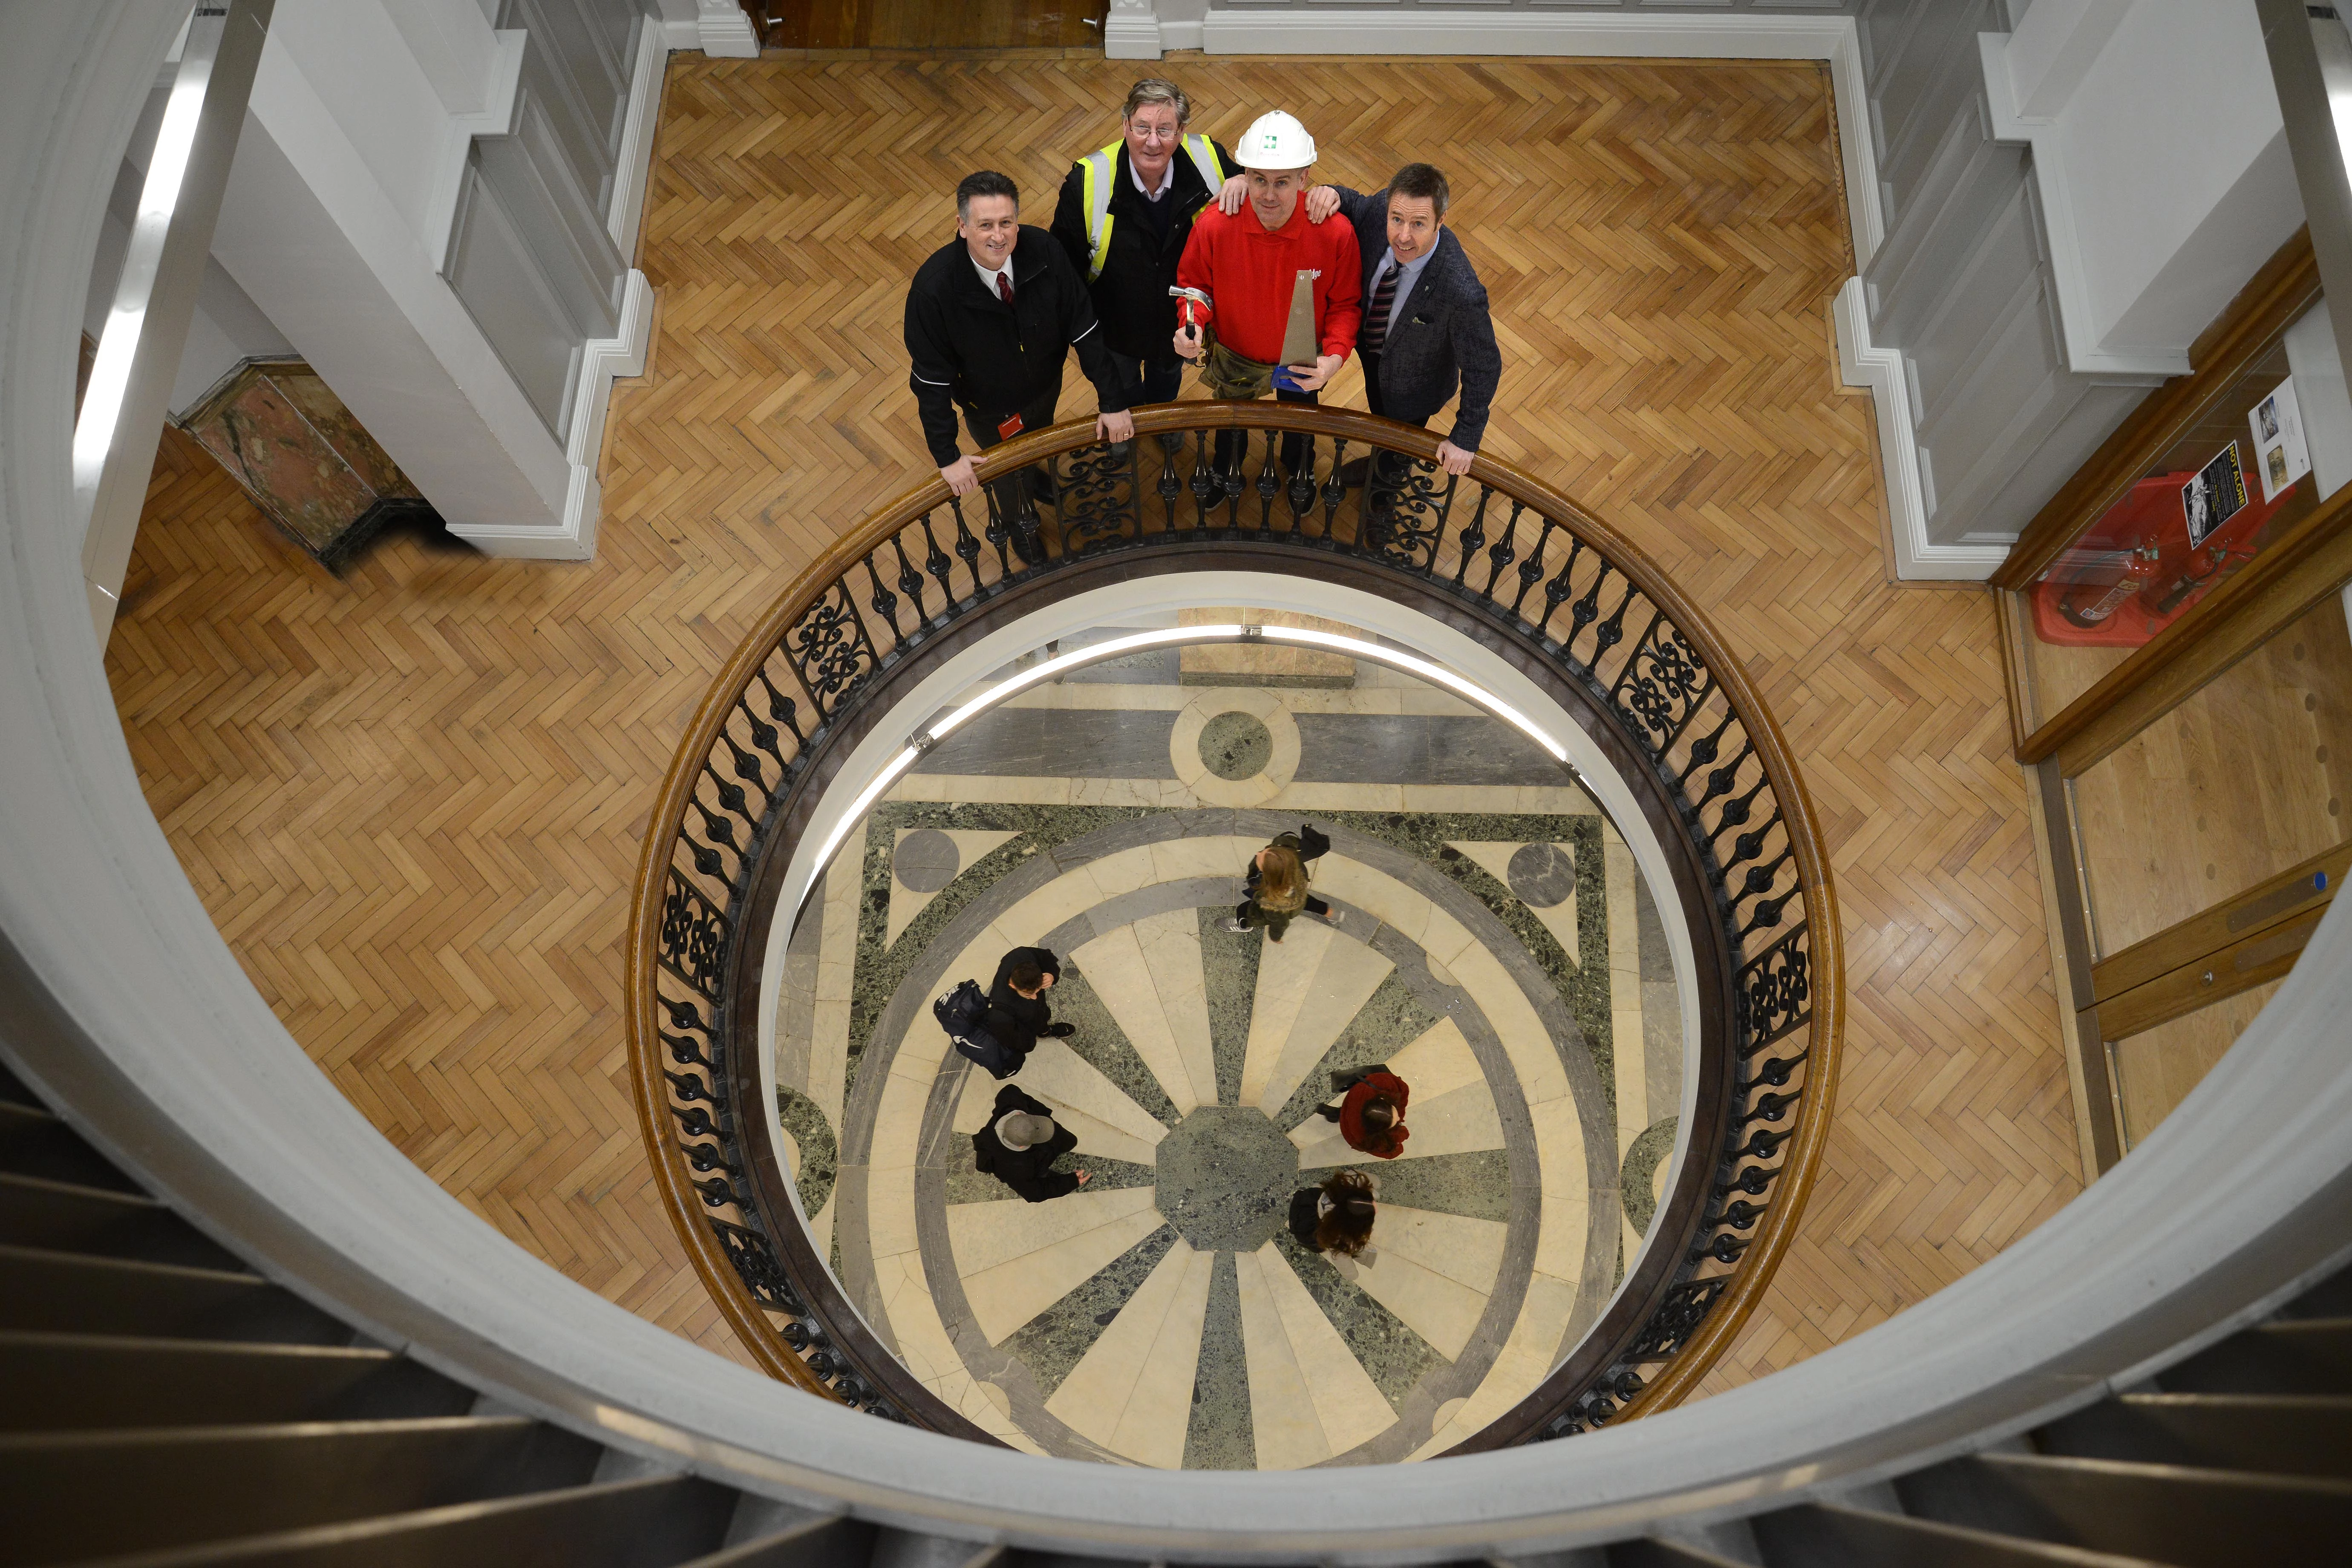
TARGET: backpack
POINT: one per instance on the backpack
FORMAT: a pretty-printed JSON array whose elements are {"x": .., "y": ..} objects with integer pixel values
[{"x": 960, "y": 1013}]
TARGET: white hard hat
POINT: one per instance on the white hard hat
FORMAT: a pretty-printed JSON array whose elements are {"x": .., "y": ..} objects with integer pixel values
[{"x": 1276, "y": 140}]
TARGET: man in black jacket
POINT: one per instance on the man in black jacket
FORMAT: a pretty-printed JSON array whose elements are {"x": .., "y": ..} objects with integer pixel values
[
  {"x": 990, "y": 318},
  {"x": 1425, "y": 327},
  {"x": 1018, "y": 1014},
  {"x": 1020, "y": 1145},
  {"x": 1124, "y": 215}
]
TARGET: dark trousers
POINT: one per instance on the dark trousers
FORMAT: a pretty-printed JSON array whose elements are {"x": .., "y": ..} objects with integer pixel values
[
  {"x": 1017, "y": 493},
  {"x": 1150, "y": 381},
  {"x": 1295, "y": 451},
  {"x": 1387, "y": 468},
  {"x": 1315, "y": 906}
]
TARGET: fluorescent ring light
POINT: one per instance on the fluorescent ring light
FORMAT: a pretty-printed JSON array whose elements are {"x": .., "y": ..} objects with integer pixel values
[{"x": 1354, "y": 648}]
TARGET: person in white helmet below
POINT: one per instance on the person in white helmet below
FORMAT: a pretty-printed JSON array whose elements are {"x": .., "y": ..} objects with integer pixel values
[
  {"x": 1248, "y": 264},
  {"x": 1125, "y": 214}
]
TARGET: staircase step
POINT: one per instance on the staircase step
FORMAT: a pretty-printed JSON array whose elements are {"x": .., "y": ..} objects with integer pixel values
[
  {"x": 35, "y": 1143},
  {"x": 838, "y": 1542},
  {"x": 57, "y": 1383},
  {"x": 2281, "y": 1433},
  {"x": 2331, "y": 1298},
  {"x": 73, "y": 1495},
  {"x": 1649, "y": 1552},
  {"x": 2311, "y": 1355},
  {"x": 63, "y": 1216},
  {"x": 655, "y": 1521},
  {"x": 1827, "y": 1535},
  {"x": 2170, "y": 1513},
  {"x": 66, "y": 1292},
  {"x": 916, "y": 1549}
]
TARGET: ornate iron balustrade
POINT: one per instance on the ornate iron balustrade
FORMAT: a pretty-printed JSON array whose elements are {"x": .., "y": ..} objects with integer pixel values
[{"x": 1496, "y": 551}]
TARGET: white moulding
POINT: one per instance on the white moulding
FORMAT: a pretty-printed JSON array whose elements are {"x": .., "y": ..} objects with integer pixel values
[
  {"x": 602, "y": 360},
  {"x": 1608, "y": 35},
  {"x": 725, "y": 31},
  {"x": 2085, "y": 355},
  {"x": 1131, "y": 31},
  {"x": 1862, "y": 362},
  {"x": 496, "y": 118},
  {"x": 633, "y": 170}
]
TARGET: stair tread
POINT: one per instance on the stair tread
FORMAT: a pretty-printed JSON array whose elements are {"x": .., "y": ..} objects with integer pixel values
[
  {"x": 52, "y": 1339},
  {"x": 83, "y": 1190},
  {"x": 330, "y": 1542},
  {"x": 182, "y": 1271},
  {"x": 2232, "y": 1401},
  {"x": 256, "y": 1432},
  {"x": 2181, "y": 1474},
  {"x": 1918, "y": 1527}
]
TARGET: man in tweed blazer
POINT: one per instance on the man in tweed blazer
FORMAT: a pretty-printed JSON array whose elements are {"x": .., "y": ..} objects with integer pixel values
[{"x": 1436, "y": 333}]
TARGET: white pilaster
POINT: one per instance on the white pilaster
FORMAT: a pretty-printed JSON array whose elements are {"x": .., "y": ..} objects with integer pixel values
[
  {"x": 1131, "y": 31},
  {"x": 724, "y": 30}
]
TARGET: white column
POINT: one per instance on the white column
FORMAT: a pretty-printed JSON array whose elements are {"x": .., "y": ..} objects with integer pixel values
[{"x": 1131, "y": 32}]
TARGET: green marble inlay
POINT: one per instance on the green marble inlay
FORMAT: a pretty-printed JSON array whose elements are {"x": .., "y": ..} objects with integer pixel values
[
  {"x": 967, "y": 1183},
  {"x": 1058, "y": 1338},
  {"x": 1395, "y": 1357},
  {"x": 1476, "y": 1186},
  {"x": 1390, "y": 1020},
  {"x": 1103, "y": 1044},
  {"x": 1229, "y": 968},
  {"x": 1221, "y": 1436},
  {"x": 1654, "y": 1144},
  {"x": 820, "y": 1155}
]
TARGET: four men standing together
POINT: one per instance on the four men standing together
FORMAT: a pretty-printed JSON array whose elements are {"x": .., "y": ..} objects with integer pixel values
[{"x": 1166, "y": 247}]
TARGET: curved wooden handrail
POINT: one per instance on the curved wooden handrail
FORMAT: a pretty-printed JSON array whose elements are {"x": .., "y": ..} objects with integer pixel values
[{"x": 826, "y": 588}]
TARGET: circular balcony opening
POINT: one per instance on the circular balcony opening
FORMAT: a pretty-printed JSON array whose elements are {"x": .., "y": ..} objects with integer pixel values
[{"x": 1502, "y": 935}]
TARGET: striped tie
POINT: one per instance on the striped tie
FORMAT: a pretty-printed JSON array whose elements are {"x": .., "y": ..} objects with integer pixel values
[{"x": 1374, "y": 332}]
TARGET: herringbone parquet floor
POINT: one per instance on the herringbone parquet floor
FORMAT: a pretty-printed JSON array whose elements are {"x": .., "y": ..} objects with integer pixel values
[{"x": 412, "y": 798}]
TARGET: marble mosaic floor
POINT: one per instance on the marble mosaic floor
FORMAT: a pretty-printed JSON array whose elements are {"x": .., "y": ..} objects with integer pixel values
[{"x": 1499, "y": 950}]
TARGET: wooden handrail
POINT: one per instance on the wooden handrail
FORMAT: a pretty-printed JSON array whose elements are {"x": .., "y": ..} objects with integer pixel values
[{"x": 826, "y": 583}]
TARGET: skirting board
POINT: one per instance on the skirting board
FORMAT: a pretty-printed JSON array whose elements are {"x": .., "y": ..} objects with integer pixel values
[
  {"x": 1746, "y": 36},
  {"x": 1862, "y": 362},
  {"x": 633, "y": 170},
  {"x": 602, "y": 360}
]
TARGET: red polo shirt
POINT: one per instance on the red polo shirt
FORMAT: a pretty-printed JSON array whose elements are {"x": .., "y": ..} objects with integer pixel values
[{"x": 1248, "y": 273}]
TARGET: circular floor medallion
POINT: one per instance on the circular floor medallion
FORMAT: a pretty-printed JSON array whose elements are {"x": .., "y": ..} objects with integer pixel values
[
  {"x": 1224, "y": 1176},
  {"x": 1236, "y": 745},
  {"x": 1542, "y": 875},
  {"x": 927, "y": 860}
]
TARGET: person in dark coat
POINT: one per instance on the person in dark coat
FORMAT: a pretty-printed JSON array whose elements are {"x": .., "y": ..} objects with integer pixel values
[
  {"x": 1426, "y": 328},
  {"x": 1018, "y": 1014},
  {"x": 1370, "y": 1113},
  {"x": 1336, "y": 1216},
  {"x": 1020, "y": 1145},
  {"x": 990, "y": 318},
  {"x": 1125, "y": 213},
  {"x": 1276, "y": 883}
]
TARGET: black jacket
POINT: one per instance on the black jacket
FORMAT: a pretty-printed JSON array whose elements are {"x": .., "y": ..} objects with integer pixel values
[
  {"x": 1131, "y": 297},
  {"x": 1443, "y": 332},
  {"x": 1306, "y": 1214},
  {"x": 1016, "y": 1020},
  {"x": 969, "y": 347},
  {"x": 1029, "y": 1172}
]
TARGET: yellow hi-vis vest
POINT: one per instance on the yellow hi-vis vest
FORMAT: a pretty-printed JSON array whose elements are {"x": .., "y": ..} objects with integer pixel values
[{"x": 1101, "y": 165}]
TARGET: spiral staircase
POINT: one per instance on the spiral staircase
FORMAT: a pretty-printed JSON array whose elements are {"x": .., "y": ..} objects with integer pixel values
[{"x": 236, "y": 1326}]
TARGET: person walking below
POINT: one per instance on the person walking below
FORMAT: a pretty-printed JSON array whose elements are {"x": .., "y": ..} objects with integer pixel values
[
  {"x": 1336, "y": 1216},
  {"x": 1426, "y": 326},
  {"x": 1371, "y": 1112},
  {"x": 1018, "y": 1014},
  {"x": 990, "y": 318},
  {"x": 1248, "y": 266},
  {"x": 1276, "y": 881},
  {"x": 1125, "y": 214},
  {"x": 1020, "y": 1145}
]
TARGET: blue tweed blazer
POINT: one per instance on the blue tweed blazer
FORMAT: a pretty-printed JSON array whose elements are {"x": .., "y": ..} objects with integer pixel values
[{"x": 1444, "y": 335}]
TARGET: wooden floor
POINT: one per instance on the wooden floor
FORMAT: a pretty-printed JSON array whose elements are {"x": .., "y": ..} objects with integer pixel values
[{"x": 411, "y": 799}]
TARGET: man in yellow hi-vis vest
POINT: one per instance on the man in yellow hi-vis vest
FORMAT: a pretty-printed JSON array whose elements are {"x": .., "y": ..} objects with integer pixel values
[{"x": 1124, "y": 215}]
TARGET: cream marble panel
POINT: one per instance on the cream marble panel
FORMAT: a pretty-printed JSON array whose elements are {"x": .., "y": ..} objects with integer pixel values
[
  {"x": 1075, "y": 1087},
  {"x": 1524, "y": 1040},
  {"x": 1121, "y": 975},
  {"x": 890, "y": 1208},
  {"x": 1559, "y": 919},
  {"x": 1180, "y": 860},
  {"x": 1444, "y": 1311},
  {"x": 1286, "y": 1430},
  {"x": 1297, "y": 1020},
  {"x": 1170, "y": 946},
  {"x": 1438, "y": 1063},
  {"x": 1451, "y": 1123},
  {"x": 1005, "y": 1296},
  {"x": 1314, "y": 797},
  {"x": 1625, "y": 989},
  {"x": 1567, "y": 1200},
  {"x": 1132, "y": 1390},
  {"x": 1012, "y": 789},
  {"x": 821, "y": 1229},
  {"x": 1456, "y": 1246},
  {"x": 1390, "y": 901},
  {"x": 1166, "y": 793},
  {"x": 1348, "y": 1404},
  {"x": 986, "y": 1235},
  {"x": 1524, "y": 1361},
  {"x": 828, "y": 1061}
]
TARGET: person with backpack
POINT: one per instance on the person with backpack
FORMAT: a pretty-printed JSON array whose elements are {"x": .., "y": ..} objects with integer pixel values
[
  {"x": 1370, "y": 1113},
  {"x": 1276, "y": 885},
  {"x": 1020, "y": 1145},
  {"x": 1018, "y": 1014},
  {"x": 1125, "y": 214}
]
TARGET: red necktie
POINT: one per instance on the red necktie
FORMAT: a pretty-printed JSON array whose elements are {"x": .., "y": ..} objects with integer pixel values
[{"x": 1005, "y": 288}]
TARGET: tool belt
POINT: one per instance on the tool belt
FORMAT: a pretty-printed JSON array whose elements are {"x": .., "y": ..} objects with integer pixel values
[{"x": 1229, "y": 376}]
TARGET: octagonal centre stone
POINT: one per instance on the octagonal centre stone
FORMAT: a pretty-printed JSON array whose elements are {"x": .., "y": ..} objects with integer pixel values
[{"x": 1224, "y": 1176}]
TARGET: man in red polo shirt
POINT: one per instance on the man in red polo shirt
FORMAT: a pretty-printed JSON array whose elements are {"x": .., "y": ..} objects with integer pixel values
[{"x": 1249, "y": 265}]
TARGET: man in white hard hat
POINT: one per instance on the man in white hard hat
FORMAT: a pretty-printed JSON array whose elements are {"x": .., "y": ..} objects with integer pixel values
[{"x": 1248, "y": 265}]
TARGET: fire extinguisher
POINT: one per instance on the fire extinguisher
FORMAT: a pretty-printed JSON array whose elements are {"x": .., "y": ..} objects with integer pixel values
[{"x": 2139, "y": 568}]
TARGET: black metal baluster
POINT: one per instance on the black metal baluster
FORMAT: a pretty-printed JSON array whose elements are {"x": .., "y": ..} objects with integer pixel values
[
  {"x": 910, "y": 582},
  {"x": 1474, "y": 537},
  {"x": 1531, "y": 570}
]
